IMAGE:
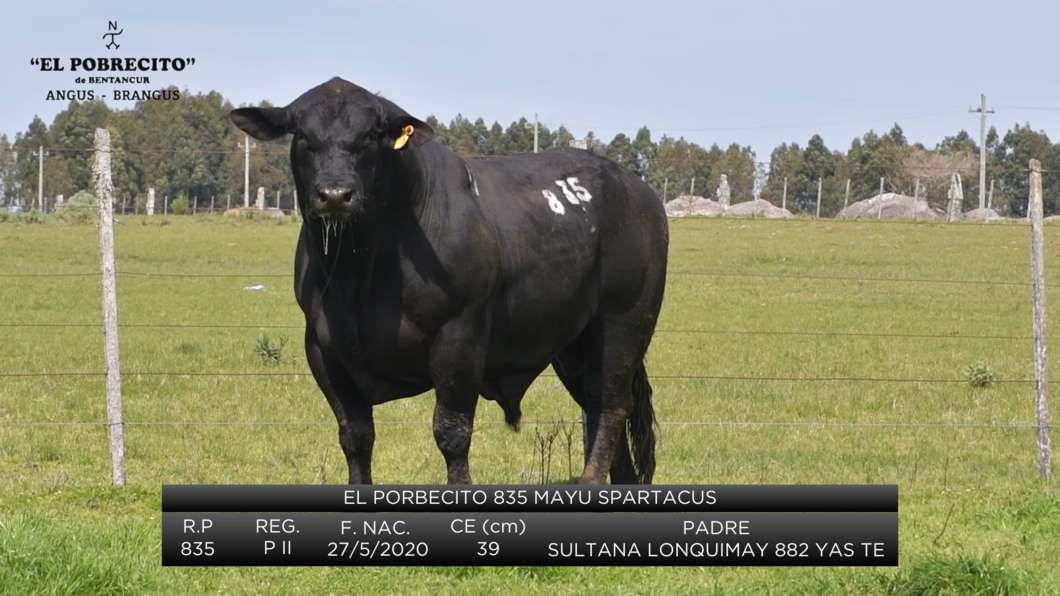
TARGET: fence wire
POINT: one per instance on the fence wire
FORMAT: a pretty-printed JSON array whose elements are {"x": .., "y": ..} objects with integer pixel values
[
  {"x": 992, "y": 282},
  {"x": 427, "y": 422},
  {"x": 954, "y": 335},
  {"x": 307, "y": 373}
]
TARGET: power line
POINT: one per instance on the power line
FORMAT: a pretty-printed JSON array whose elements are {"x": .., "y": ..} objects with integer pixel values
[
  {"x": 1046, "y": 109},
  {"x": 863, "y": 120}
]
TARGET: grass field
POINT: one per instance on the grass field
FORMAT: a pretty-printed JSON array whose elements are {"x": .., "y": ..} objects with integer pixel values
[{"x": 878, "y": 299}]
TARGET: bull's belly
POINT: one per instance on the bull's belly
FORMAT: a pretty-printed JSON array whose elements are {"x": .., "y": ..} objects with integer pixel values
[
  {"x": 387, "y": 355},
  {"x": 517, "y": 345},
  {"x": 527, "y": 339}
]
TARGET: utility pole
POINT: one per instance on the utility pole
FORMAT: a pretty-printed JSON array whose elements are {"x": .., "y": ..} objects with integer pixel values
[
  {"x": 246, "y": 170},
  {"x": 40, "y": 153},
  {"x": 879, "y": 214},
  {"x": 982, "y": 111},
  {"x": 535, "y": 131},
  {"x": 818, "y": 216}
]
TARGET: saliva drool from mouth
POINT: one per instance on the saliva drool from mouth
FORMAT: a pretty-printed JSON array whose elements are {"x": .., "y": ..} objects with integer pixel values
[{"x": 333, "y": 225}]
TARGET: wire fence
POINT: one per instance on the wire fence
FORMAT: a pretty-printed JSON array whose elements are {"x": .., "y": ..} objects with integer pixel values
[
  {"x": 425, "y": 422},
  {"x": 289, "y": 208},
  {"x": 541, "y": 376},
  {"x": 953, "y": 335},
  {"x": 1039, "y": 380},
  {"x": 990, "y": 282}
]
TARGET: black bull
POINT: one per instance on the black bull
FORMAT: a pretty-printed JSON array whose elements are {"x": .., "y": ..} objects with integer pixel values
[{"x": 421, "y": 269}]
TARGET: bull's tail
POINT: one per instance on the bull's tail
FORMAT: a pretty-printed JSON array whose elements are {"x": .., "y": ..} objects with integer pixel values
[{"x": 640, "y": 427}]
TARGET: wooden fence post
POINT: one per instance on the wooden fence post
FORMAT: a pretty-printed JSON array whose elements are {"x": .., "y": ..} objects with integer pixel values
[
  {"x": 105, "y": 192},
  {"x": 1041, "y": 379}
]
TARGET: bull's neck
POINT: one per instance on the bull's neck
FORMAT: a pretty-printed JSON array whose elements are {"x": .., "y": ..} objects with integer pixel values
[{"x": 405, "y": 186}]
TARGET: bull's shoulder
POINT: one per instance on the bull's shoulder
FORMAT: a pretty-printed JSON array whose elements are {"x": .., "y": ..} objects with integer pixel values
[
  {"x": 534, "y": 169},
  {"x": 441, "y": 159},
  {"x": 556, "y": 157},
  {"x": 558, "y": 180},
  {"x": 561, "y": 170}
]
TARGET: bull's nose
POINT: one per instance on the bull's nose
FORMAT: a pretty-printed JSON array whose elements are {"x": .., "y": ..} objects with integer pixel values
[{"x": 335, "y": 195}]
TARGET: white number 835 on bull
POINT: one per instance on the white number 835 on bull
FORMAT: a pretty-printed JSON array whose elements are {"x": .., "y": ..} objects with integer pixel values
[{"x": 574, "y": 193}]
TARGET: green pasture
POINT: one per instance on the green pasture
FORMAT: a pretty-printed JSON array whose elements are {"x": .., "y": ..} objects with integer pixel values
[{"x": 818, "y": 351}]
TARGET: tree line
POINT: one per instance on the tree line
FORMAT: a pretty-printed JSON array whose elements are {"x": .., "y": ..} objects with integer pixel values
[{"x": 188, "y": 148}]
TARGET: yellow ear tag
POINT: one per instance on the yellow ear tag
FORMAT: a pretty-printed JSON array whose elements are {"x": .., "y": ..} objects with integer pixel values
[{"x": 404, "y": 138}]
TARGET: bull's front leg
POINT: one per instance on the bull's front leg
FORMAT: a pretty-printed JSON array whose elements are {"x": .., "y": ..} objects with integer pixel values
[
  {"x": 457, "y": 362},
  {"x": 352, "y": 410}
]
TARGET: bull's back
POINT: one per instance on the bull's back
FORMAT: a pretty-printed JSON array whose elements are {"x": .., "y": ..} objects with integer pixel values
[
  {"x": 599, "y": 177},
  {"x": 568, "y": 210},
  {"x": 577, "y": 233}
]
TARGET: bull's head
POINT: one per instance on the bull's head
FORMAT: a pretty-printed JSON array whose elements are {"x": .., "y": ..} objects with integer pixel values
[{"x": 341, "y": 132}]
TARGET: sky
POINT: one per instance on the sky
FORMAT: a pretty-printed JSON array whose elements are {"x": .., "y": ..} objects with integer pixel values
[{"x": 753, "y": 73}]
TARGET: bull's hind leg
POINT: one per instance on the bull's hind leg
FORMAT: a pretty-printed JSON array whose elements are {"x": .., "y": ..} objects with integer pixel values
[
  {"x": 615, "y": 356},
  {"x": 352, "y": 411},
  {"x": 570, "y": 368},
  {"x": 584, "y": 384}
]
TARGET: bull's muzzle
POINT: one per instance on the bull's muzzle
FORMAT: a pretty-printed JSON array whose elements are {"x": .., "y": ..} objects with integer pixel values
[
  {"x": 334, "y": 199},
  {"x": 334, "y": 202}
]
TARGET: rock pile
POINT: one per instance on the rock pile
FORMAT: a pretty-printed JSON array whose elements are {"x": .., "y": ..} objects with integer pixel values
[
  {"x": 889, "y": 205},
  {"x": 271, "y": 211},
  {"x": 685, "y": 205},
  {"x": 760, "y": 208},
  {"x": 983, "y": 215}
]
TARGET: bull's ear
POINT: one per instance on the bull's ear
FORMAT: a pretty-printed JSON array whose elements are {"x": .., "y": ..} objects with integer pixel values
[
  {"x": 264, "y": 124},
  {"x": 405, "y": 131}
]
